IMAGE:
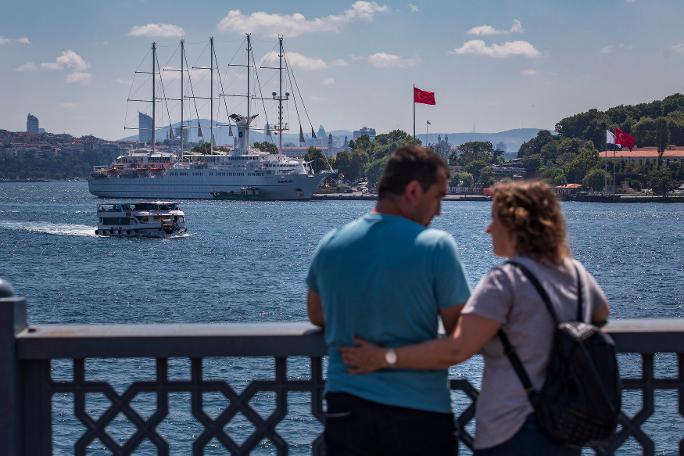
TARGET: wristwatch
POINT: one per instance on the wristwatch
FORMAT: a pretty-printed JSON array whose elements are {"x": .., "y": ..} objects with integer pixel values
[{"x": 391, "y": 357}]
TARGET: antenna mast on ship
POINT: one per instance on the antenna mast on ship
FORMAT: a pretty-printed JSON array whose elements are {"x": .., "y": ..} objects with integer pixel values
[
  {"x": 280, "y": 127},
  {"x": 154, "y": 96},
  {"x": 211, "y": 97},
  {"x": 182, "y": 98}
]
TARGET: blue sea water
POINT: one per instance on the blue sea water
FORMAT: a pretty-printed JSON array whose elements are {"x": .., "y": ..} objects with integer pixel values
[{"x": 246, "y": 261}]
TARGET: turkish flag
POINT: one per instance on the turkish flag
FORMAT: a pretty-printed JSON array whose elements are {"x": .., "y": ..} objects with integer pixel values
[
  {"x": 624, "y": 139},
  {"x": 423, "y": 96}
]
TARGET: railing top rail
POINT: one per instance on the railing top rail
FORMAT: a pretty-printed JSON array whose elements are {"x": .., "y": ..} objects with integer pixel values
[
  {"x": 170, "y": 340},
  {"x": 262, "y": 339}
]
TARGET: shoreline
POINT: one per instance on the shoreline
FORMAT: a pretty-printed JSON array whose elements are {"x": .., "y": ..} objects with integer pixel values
[{"x": 477, "y": 197}]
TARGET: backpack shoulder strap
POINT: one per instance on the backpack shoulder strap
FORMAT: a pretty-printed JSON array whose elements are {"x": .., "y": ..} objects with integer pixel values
[
  {"x": 580, "y": 292},
  {"x": 517, "y": 365},
  {"x": 540, "y": 289}
]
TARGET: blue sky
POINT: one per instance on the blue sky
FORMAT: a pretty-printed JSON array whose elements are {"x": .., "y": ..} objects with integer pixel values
[{"x": 494, "y": 64}]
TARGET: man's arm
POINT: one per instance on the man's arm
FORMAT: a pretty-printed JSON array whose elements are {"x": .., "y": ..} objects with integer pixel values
[
  {"x": 314, "y": 308},
  {"x": 450, "y": 317}
]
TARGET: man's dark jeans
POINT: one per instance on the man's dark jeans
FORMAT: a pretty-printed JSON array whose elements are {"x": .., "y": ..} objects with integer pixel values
[{"x": 355, "y": 426}]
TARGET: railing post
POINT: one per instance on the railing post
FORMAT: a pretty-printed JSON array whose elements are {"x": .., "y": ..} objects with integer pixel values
[{"x": 12, "y": 321}]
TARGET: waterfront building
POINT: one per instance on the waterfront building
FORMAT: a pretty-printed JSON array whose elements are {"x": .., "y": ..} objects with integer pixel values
[
  {"x": 144, "y": 128},
  {"x": 514, "y": 169},
  {"x": 321, "y": 134},
  {"x": 365, "y": 131},
  {"x": 644, "y": 155},
  {"x": 32, "y": 124},
  {"x": 442, "y": 147}
]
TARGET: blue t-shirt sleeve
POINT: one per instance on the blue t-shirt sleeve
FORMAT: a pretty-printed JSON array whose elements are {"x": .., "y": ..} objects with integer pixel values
[
  {"x": 312, "y": 278},
  {"x": 451, "y": 285}
]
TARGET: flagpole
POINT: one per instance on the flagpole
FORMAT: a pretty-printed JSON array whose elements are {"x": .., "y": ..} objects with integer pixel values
[
  {"x": 605, "y": 175},
  {"x": 413, "y": 97},
  {"x": 427, "y": 133}
]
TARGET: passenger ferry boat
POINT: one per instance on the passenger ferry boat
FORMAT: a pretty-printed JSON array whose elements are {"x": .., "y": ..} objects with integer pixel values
[
  {"x": 156, "y": 219},
  {"x": 243, "y": 172}
]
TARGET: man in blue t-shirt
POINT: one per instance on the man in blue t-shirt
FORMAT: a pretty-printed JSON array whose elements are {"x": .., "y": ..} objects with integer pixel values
[{"x": 388, "y": 278}]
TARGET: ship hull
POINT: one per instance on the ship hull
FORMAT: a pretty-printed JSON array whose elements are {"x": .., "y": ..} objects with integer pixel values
[{"x": 205, "y": 185}]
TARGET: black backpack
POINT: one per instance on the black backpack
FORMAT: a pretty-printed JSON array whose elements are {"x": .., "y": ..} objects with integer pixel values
[{"x": 580, "y": 401}]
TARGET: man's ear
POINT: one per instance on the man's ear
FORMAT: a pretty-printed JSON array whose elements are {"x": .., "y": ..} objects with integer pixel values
[{"x": 413, "y": 192}]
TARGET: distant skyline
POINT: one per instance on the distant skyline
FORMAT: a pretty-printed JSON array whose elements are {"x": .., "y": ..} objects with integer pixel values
[{"x": 494, "y": 65}]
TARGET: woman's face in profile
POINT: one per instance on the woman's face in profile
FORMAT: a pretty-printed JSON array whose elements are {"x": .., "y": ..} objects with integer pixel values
[{"x": 502, "y": 240}]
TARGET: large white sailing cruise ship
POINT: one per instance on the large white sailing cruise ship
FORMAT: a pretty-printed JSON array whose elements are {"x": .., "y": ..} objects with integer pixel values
[{"x": 241, "y": 173}]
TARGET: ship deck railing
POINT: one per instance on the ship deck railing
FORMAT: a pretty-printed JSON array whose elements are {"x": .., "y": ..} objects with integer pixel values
[{"x": 43, "y": 363}]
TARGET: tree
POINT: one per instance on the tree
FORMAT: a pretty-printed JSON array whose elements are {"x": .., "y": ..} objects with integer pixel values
[
  {"x": 475, "y": 151},
  {"x": 532, "y": 163},
  {"x": 534, "y": 145},
  {"x": 462, "y": 179},
  {"x": 585, "y": 160},
  {"x": 374, "y": 171},
  {"x": 266, "y": 146},
  {"x": 317, "y": 159},
  {"x": 662, "y": 137},
  {"x": 596, "y": 179},
  {"x": 661, "y": 181}
]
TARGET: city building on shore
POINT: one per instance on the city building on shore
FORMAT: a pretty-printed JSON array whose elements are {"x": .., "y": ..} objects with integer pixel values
[
  {"x": 32, "y": 124},
  {"x": 144, "y": 128},
  {"x": 365, "y": 131},
  {"x": 442, "y": 147},
  {"x": 644, "y": 155}
]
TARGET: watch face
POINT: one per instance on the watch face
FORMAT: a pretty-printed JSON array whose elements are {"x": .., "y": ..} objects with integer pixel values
[{"x": 391, "y": 357}]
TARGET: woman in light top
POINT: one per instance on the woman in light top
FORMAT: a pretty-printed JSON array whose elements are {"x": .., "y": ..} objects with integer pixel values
[{"x": 527, "y": 227}]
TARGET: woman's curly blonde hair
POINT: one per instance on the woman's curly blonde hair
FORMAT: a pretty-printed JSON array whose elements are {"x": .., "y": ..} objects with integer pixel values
[{"x": 530, "y": 210}]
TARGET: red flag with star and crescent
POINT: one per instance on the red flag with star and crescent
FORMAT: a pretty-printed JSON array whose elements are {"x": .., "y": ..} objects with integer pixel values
[
  {"x": 624, "y": 139},
  {"x": 423, "y": 96}
]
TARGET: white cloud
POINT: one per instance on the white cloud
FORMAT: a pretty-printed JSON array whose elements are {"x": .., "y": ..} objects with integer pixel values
[
  {"x": 339, "y": 62},
  {"x": 610, "y": 48},
  {"x": 28, "y": 66},
  {"x": 328, "y": 81},
  {"x": 413, "y": 8},
  {"x": 485, "y": 30},
  {"x": 67, "y": 105},
  {"x": 157, "y": 31},
  {"x": 22, "y": 40},
  {"x": 507, "y": 49},
  {"x": 78, "y": 76},
  {"x": 172, "y": 74},
  {"x": 318, "y": 99},
  {"x": 67, "y": 60},
  {"x": 122, "y": 81},
  {"x": 679, "y": 48},
  {"x": 385, "y": 60},
  {"x": 530, "y": 72},
  {"x": 296, "y": 60},
  {"x": 296, "y": 24}
]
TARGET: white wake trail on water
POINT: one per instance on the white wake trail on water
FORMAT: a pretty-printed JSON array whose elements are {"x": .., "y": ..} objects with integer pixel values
[{"x": 49, "y": 228}]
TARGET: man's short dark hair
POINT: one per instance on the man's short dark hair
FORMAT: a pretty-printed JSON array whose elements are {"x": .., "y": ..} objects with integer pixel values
[{"x": 408, "y": 164}]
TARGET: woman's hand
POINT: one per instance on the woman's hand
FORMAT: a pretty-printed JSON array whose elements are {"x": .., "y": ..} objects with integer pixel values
[{"x": 365, "y": 357}]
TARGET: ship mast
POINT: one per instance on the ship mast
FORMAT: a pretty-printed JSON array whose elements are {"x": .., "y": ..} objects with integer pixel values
[
  {"x": 249, "y": 101},
  {"x": 182, "y": 99},
  {"x": 154, "y": 96},
  {"x": 280, "y": 96},
  {"x": 211, "y": 95}
]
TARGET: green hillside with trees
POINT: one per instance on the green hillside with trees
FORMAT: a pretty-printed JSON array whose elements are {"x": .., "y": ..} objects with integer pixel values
[{"x": 571, "y": 155}]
